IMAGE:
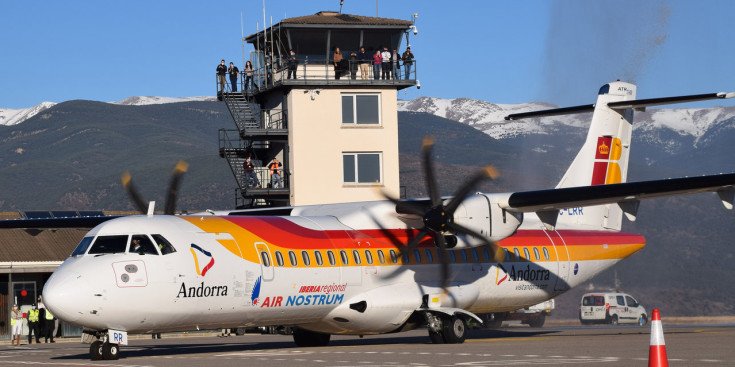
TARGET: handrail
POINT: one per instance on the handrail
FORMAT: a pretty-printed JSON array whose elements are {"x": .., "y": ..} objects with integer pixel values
[{"x": 323, "y": 71}]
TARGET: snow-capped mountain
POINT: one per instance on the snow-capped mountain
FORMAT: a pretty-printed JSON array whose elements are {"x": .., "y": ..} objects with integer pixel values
[
  {"x": 148, "y": 100},
  {"x": 9, "y": 117},
  {"x": 489, "y": 117}
]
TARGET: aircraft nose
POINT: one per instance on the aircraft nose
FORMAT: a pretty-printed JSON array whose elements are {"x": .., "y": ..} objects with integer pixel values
[{"x": 65, "y": 294}]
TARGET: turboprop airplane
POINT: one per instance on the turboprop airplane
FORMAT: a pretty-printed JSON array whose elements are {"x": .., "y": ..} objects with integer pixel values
[{"x": 369, "y": 267}]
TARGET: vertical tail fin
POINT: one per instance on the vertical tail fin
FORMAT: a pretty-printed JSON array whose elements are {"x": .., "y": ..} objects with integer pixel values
[{"x": 603, "y": 158}]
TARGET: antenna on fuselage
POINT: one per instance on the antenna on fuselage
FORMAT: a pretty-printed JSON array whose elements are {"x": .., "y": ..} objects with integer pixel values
[{"x": 151, "y": 208}]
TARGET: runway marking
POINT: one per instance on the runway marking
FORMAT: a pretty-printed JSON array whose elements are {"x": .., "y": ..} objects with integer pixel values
[
  {"x": 518, "y": 362},
  {"x": 74, "y": 364},
  {"x": 278, "y": 353}
]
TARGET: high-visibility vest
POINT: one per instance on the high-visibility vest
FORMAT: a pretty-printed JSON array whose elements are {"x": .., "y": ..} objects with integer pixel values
[
  {"x": 33, "y": 315},
  {"x": 16, "y": 317},
  {"x": 49, "y": 315}
]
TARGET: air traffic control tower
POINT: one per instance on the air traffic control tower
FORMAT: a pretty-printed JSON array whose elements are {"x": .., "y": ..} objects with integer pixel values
[{"x": 333, "y": 127}]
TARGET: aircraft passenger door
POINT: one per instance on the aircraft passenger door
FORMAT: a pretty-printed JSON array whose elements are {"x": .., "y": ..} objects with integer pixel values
[
  {"x": 266, "y": 260},
  {"x": 562, "y": 256}
]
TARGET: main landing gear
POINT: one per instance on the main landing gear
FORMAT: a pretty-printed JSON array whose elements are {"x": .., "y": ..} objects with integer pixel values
[
  {"x": 445, "y": 329},
  {"x": 306, "y": 338},
  {"x": 103, "y": 350}
]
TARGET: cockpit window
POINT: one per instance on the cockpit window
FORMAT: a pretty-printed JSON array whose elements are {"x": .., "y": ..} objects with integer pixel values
[
  {"x": 163, "y": 244},
  {"x": 82, "y": 246},
  {"x": 142, "y": 245},
  {"x": 109, "y": 245}
]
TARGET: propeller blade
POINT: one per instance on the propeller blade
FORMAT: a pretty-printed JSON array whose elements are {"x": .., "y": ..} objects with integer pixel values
[
  {"x": 173, "y": 187},
  {"x": 414, "y": 242},
  {"x": 495, "y": 250},
  {"x": 487, "y": 172},
  {"x": 405, "y": 207},
  {"x": 442, "y": 255},
  {"x": 132, "y": 192},
  {"x": 427, "y": 163}
]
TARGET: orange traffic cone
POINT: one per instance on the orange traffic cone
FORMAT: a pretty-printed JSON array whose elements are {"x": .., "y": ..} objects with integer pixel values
[{"x": 657, "y": 351}]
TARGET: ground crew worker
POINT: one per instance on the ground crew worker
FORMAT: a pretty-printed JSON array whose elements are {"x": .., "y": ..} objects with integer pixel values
[
  {"x": 48, "y": 331},
  {"x": 33, "y": 324},
  {"x": 16, "y": 322}
]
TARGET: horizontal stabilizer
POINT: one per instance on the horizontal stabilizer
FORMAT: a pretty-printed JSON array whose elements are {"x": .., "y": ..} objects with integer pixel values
[
  {"x": 573, "y": 197},
  {"x": 552, "y": 112},
  {"x": 640, "y": 103}
]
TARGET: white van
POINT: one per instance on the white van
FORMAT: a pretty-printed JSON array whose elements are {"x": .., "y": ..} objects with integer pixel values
[{"x": 611, "y": 308}]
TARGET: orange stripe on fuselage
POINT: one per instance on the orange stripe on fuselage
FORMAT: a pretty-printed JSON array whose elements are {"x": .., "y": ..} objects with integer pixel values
[{"x": 280, "y": 234}]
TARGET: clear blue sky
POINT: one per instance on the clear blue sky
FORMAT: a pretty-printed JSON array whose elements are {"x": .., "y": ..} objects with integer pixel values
[{"x": 499, "y": 51}]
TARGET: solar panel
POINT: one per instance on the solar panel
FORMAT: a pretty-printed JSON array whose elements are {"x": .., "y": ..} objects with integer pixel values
[
  {"x": 64, "y": 213},
  {"x": 91, "y": 213},
  {"x": 37, "y": 214}
]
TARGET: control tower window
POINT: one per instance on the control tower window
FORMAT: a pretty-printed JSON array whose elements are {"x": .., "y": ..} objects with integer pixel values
[
  {"x": 360, "y": 109},
  {"x": 361, "y": 168}
]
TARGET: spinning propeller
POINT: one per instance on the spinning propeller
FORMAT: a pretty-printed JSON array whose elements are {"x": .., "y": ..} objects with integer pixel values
[
  {"x": 438, "y": 218},
  {"x": 173, "y": 187}
]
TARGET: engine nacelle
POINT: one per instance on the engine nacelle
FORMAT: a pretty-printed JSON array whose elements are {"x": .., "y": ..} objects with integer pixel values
[{"x": 482, "y": 213}]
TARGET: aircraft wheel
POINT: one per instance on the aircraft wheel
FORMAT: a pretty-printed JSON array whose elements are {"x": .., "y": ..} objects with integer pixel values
[
  {"x": 455, "y": 330},
  {"x": 95, "y": 351},
  {"x": 110, "y": 351},
  {"x": 436, "y": 337},
  {"x": 306, "y": 338}
]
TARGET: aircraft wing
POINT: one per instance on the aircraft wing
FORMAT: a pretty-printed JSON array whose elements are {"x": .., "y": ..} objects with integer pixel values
[{"x": 572, "y": 197}]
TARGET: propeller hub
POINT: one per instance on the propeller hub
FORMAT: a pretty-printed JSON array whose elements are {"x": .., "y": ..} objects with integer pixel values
[{"x": 437, "y": 219}]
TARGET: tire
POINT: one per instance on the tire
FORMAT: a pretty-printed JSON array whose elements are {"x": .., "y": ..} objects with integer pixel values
[
  {"x": 614, "y": 320},
  {"x": 110, "y": 351},
  {"x": 95, "y": 351},
  {"x": 436, "y": 337},
  {"x": 455, "y": 330},
  {"x": 537, "y": 321},
  {"x": 642, "y": 320},
  {"x": 306, "y": 338},
  {"x": 240, "y": 331}
]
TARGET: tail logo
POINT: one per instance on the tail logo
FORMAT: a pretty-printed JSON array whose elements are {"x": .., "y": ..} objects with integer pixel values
[
  {"x": 607, "y": 156},
  {"x": 204, "y": 254}
]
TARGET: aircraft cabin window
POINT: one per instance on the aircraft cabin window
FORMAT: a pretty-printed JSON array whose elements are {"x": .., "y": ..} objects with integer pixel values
[
  {"x": 163, "y": 244},
  {"x": 406, "y": 258},
  {"x": 306, "y": 258},
  {"x": 381, "y": 256},
  {"x": 343, "y": 256},
  {"x": 393, "y": 256},
  {"x": 417, "y": 256},
  {"x": 507, "y": 254},
  {"x": 475, "y": 256},
  {"x": 142, "y": 245},
  {"x": 368, "y": 257},
  {"x": 452, "y": 256},
  {"x": 318, "y": 258},
  {"x": 486, "y": 254},
  {"x": 356, "y": 255},
  {"x": 279, "y": 258},
  {"x": 82, "y": 246},
  {"x": 266, "y": 260},
  {"x": 546, "y": 254},
  {"x": 292, "y": 258},
  {"x": 330, "y": 256},
  {"x": 463, "y": 254},
  {"x": 109, "y": 245},
  {"x": 526, "y": 254},
  {"x": 429, "y": 256},
  {"x": 517, "y": 253},
  {"x": 536, "y": 254}
]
